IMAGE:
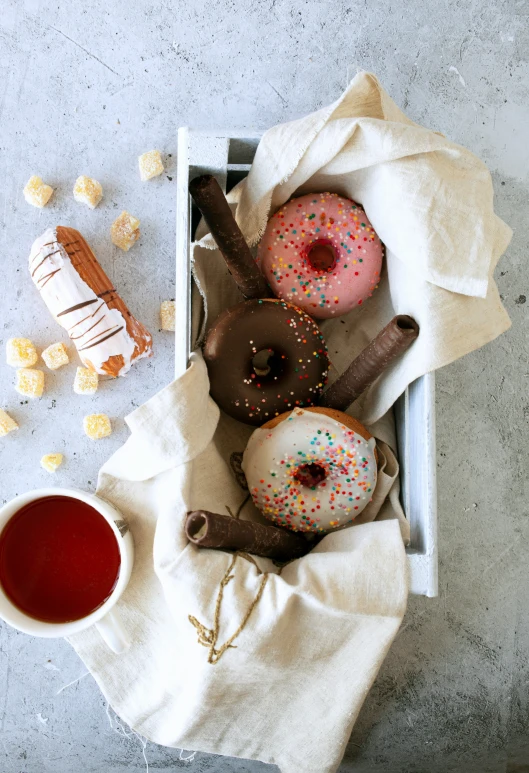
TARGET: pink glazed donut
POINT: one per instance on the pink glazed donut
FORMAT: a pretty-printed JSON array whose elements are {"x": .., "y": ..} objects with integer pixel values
[{"x": 321, "y": 253}]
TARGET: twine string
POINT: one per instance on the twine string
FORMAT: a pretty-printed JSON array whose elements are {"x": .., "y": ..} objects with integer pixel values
[{"x": 208, "y": 637}]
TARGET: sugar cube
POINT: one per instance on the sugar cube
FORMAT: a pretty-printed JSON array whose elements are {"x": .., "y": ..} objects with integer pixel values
[
  {"x": 37, "y": 192},
  {"x": 21, "y": 353},
  {"x": 7, "y": 424},
  {"x": 87, "y": 191},
  {"x": 85, "y": 382},
  {"x": 151, "y": 164},
  {"x": 30, "y": 383},
  {"x": 51, "y": 462},
  {"x": 97, "y": 426},
  {"x": 125, "y": 230},
  {"x": 55, "y": 356},
  {"x": 167, "y": 315}
]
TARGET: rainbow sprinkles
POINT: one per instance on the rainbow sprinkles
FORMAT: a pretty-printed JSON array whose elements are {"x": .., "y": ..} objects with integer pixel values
[{"x": 277, "y": 461}]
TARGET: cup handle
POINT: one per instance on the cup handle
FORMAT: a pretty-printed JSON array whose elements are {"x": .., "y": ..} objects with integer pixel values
[{"x": 113, "y": 633}]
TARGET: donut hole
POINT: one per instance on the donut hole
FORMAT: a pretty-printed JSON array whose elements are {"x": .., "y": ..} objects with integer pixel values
[
  {"x": 267, "y": 364},
  {"x": 310, "y": 474},
  {"x": 321, "y": 256}
]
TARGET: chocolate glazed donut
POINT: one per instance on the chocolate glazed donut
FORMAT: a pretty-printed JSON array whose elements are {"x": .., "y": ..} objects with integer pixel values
[{"x": 265, "y": 357}]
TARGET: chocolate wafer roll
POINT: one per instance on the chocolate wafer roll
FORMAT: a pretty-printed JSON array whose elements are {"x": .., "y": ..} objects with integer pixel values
[
  {"x": 391, "y": 342},
  {"x": 209, "y": 198},
  {"x": 212, "y": 530}
]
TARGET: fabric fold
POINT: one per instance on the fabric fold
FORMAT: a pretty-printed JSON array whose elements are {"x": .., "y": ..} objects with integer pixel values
[
  {"x": 413, "y": 167},
  {"x": 170, "y": 429}
]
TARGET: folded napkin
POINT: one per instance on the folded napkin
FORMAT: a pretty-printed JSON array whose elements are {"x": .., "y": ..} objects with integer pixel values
[
  {"x": 313, "y": 643},
  {"x": 230, "y": 654}
]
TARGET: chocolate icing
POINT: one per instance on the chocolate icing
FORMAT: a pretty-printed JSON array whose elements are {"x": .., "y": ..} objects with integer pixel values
[
  {"x": 298, "y": 360},
  {"x": 77, "y": 305},
  {"x": 211, "y": 201},
  {"x": 392, "y": 341},
  {"x": 212, "y": 530}
]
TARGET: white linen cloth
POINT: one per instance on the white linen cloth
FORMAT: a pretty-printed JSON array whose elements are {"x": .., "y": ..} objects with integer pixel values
[{"x": 290, "y": 691}]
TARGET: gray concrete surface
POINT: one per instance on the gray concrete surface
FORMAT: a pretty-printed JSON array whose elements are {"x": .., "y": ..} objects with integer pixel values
[{"x": 84, "y": 88}]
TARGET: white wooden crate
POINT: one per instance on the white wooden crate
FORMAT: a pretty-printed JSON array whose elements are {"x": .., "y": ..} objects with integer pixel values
[{"x": 229, "y": 156}]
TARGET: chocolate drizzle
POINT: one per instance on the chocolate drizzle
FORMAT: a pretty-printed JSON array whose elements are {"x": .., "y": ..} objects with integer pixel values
[
  {"x": 76, "y": 307},
  {"x": 100, "y": 341},
  {"x": 63, "y": 257},
  {"x": 76, "y": 338},
  {"x": 89, "y": 316},
  {"x": 48, "y": 277},
  {"x": 43, "y": 260}
]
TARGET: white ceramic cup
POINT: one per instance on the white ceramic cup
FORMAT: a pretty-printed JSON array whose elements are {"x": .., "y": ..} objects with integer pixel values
[{"x": 104, "y": 617}]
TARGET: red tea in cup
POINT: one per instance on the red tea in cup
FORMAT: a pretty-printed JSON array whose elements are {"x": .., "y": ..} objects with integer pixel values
[{"x": 59, "y": 559}]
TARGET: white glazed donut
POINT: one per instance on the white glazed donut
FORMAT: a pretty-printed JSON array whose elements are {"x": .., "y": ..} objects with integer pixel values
[{"x": 307, "y": 471}]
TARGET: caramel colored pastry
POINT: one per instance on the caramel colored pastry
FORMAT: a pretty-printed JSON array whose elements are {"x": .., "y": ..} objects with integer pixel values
[
  {"x": 151, "y": 165},
  {"x": 97, "y": 426},
  {"x": 29, "y": 382},
  {"x": 51, "y": 462},
  {"x": 83, "y": 300},
  {"x": 36, "y": 192},
  {"x": 167, "y": 315},
  {"x": 125, "y": 231},
  {"x": 87, "y": 191},
  {"x": 7, "y": 424},
  {"x": 55, "y": 356},
  {"x": 21, "y": 353},
  {"x": 86, "y": 382}
]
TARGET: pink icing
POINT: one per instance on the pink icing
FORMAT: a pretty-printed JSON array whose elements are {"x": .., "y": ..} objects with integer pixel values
[{"x": 321, "y": 253}]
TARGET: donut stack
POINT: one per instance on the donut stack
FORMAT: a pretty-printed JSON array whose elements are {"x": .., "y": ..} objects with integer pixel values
[{"x": 309, "y": 466}]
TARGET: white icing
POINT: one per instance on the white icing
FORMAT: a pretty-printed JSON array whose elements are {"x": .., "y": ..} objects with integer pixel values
[
  {"x": 97, "y": 331},
  {"x": 273, "y": 457}
]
